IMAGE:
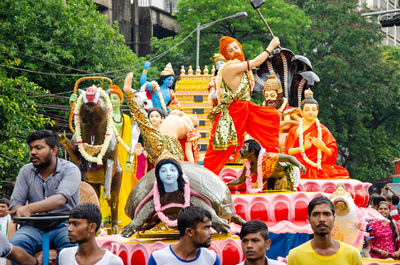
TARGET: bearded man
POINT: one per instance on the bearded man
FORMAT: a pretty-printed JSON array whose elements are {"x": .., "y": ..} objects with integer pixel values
[
  {"x": 235, "y": 114},
  {"x": 46, "y": 185}
]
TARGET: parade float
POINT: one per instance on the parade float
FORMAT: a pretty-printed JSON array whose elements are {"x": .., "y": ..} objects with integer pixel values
[
  {"x": 285, "y": 212},
  {"x": 283, "y": 79}
]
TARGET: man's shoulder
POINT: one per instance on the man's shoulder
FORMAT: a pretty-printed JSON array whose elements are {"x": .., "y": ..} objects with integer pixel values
[
  {"x": 275, "y": 262},
  {"x": 206, "y": 251},
  {"x": 68, "y": 252},
  {"x": 112, "y": 259},
  {"x": 349, "y": 249},
  {"x": 25, "y": 169},
  {"x": 67, "y": 164},
  {"x": 165, "y": 251},
  {"x": 301, "y": 248}
]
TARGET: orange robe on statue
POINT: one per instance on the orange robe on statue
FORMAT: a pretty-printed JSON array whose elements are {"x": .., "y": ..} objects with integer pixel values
[
  {"x": 328, "y": 163},
  {"x": 262, "y": 123}
]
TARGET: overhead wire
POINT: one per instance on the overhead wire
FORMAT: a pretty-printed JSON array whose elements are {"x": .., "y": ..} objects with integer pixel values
[{"x": 87, "y": 73}]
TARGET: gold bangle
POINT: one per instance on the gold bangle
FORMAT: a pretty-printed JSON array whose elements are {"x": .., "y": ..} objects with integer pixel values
[
  {"x": 129, "y": 95},
  {"x": 269, "y": 54},
  {"x": 144, "y": 71}
]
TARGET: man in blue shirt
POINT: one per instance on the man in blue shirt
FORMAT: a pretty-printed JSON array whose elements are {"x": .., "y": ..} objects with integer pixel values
[
  {"x": 195, "y": 235},
  {"x": 49, "y": 185}
]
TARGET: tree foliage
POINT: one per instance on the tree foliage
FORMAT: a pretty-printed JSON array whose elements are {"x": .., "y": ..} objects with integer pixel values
[
  {"x": 359, "y": 88},
  {"x": 47, "y": 35},
  {"x": 50, "y": 44},
  {"x": 19, "y": 117}
]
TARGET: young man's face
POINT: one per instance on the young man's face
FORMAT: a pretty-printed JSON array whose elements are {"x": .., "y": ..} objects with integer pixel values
[
  {"x": 3, "y": 209},
  {"x": 79, "y": 230},
  {"x": 40, "y": 153},
  {"x": 321, "y": 219},
  {"x": 254, "y": 246},
  {"x": 202, "y": 235}
]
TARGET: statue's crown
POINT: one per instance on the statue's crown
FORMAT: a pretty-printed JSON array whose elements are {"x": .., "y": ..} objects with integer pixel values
[
  {"x": 167, "y": 155},
  {"x": 272, "y": 84},
  {"x": 168, "y": 70},
  {"x": 308, "y": 93}
]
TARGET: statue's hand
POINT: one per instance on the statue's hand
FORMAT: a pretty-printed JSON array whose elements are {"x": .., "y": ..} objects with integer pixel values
[
  {"x": 128, "y": 83},
  {"x": 139, "y": 149},
  {"x": 62, "y": 138},
  {"x": 307, "y": 142},
  {"x": 129, "y": 167},
  {"x": 318, "y": 143},
  {"x": 273, "y": 44},
  {"x": 73, "y": 98},
  {"x": 146, "y": 65}
]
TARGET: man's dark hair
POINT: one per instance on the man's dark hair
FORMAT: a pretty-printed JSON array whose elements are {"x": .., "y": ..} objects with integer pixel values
[
  {"x": 50, "y": 138},
  {"x": 190, "y": 217},
  {"x": 88, "y": 211},
  {"x": 254, "y": 145},
  {"x": 180, "y": 180},
  {"x": 377, "y": 199},
  {"x": 395, "y": 199},
  {"x": 320, "y": 200},
  {"x": 254, "y": 226},
  {"x": 309, "y": 100},
  {"x": 5, "y": 201}
]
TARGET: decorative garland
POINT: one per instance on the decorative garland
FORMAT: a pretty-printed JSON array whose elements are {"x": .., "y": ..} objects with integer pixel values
[
  {"x": 155, "y": 84},
  {"x": 249, "y": 184},
  {"x": 300, "y": 131},
  {"x": 157, "y": 203},
  {"x": 284, "y": 103},
  {"x": 110, "y": 125}
]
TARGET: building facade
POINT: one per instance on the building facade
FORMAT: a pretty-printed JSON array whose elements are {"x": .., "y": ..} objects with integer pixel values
[
  {"x": 392, "y": 34},
  {"x": 139, "y": 20}
]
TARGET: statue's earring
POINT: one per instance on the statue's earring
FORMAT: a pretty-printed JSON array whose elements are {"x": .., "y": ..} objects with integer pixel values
[{"x": 190, "y": 235}]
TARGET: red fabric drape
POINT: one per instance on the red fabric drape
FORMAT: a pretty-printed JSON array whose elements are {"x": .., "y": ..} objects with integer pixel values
[{"x": 262, "y": 123}]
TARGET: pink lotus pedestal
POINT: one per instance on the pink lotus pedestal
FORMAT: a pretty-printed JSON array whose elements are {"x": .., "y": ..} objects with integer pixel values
[{"x": 137, "y": 252}]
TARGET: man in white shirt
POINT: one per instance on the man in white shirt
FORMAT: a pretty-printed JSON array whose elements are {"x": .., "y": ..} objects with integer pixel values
[
  {"x": 4, "y": 221},
  {"x": 195, "y": 234},
  {"x": 255, "y": 242},
  {"x": 84, "y": 222}
]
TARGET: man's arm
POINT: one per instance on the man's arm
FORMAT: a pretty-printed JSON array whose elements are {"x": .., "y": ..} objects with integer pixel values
[
  {"x": 20, "y": 256},
  {"x": 49, "y": 204},
  {"x": 239, "y": 180},
  {"x": 14, "y": 253},
  {"x": 19, "y": 195}
]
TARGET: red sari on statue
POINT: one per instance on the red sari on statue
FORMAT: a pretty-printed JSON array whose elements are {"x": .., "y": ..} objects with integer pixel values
[{"x": 328, "y": 163}]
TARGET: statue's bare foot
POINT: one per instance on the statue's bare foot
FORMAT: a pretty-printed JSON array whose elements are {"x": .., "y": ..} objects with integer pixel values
[
  {"x": 128, "y": 230},
  {"x": 221, "y": 227}
]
